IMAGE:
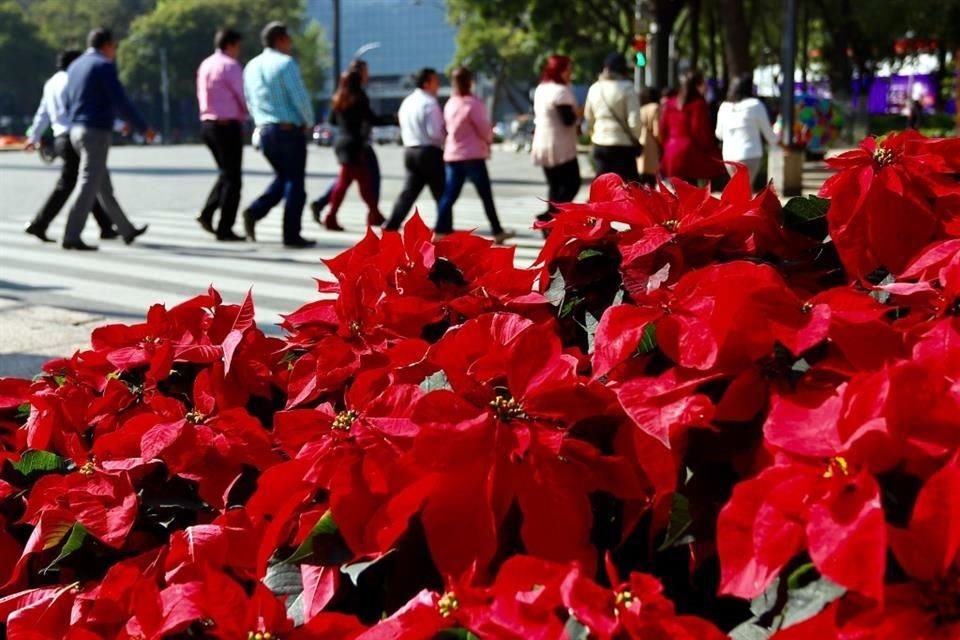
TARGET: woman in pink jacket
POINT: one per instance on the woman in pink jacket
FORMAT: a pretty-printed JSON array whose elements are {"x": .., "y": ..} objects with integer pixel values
[{"x": 469, "y": 135}]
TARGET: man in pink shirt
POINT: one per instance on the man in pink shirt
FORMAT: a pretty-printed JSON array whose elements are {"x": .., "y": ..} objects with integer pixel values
[{"x": 223, "y": 110}]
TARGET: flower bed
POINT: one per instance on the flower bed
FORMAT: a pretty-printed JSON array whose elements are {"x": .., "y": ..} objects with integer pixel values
[{"x": 696, "y": 416}]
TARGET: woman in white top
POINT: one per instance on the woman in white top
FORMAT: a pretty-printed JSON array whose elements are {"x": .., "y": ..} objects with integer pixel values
[
  {"x": 612, "y": 111},
  {"x": 555, "y": 133},
  {"x": 741, "y": 123}
]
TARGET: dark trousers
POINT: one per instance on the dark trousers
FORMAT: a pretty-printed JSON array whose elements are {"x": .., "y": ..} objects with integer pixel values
[
  {"x": 373, "y": 170},
  {"x": 286, "y": 151},
  {"x": 225, "y": 141},
  {"x": 563, "y": 182},
  {"x": 424, "y": 167},
  {"x": 63, "y": 189},
  {"x": 619, "y": 160},
  {"x": 457, "y": 173}
]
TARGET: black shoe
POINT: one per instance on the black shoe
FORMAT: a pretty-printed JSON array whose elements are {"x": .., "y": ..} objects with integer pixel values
[
  {"x": 207, "y": 225},
  {"x": 299, "y": 243},
  {"x": 317, "y": 207},
  {"x": 37, "y": 232},
  {"x": 78, "y": 245},
  {"x": 136, "y": 234},
  {"x": 109, "y": 234},
  {"x": 249, "y": 225},
  {"x": 229, "y": 236}
]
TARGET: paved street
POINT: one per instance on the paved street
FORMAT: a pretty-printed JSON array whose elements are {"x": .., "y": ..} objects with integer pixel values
[
  {"x": 165, "y": 186},
  {"x": 50, "y": 299}
]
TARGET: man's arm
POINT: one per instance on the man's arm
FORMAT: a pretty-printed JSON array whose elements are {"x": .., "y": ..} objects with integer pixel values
[
  {"x": 297, "y": 92},
  {"x": 235, "y": 85},
  {"x": 41, "y": 120},
  {"x": 120, "y": 99},
  {"x": 435, "y": 127}
]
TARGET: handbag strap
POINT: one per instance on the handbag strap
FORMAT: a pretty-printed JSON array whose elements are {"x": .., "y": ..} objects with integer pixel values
[{"x": 616, "y": 117}]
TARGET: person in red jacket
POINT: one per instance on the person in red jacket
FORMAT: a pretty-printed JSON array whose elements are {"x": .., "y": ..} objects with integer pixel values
[{"x": 689, "y": 149}]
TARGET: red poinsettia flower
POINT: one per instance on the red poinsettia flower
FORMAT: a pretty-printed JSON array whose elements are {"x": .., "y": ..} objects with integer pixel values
[
  {"x": 884, "y": 199},
  {"x": 502, "y": 434}
]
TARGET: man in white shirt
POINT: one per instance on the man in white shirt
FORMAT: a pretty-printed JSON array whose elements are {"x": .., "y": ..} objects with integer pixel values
[
  {"x": 422, "y": 132},
  {"x": 52, "y": 113}
]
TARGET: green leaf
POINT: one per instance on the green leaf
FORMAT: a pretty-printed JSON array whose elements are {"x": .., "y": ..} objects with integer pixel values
[
  {"x": 807, "y": 208},
  {"x": 456, "y": 634},
  {"x": 592, "y": 322},
  {"x": 649, "y": 340},
  {"x": 680, "y": 522},
  {"x": 557, "y": 290},
  {"x": 325, "y": 526},
  {"x": 38, "y": 461},
  {"x": 569, "y": 305},
  {"x": 354, "y": 569},
  {"x": 575, "y": 630},
  {"x": 750, "y": 631},
  {"x": 808, "y": 601},
  {"x": 588, "y": 253},
  {"x": 283, "y": 579},
  {"x": 434, "y": 382},
  {"x": 796, "y": 579},
  {"x": 23, "y": 410},
  {"x": 78, "y": 534}
]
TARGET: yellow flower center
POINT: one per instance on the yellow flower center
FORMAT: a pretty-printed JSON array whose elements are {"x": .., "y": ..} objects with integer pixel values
[
  {"x": 88, "y": 468},
  {"x": 807, "y": 307},
  {"x": 447, "y": 604},
  {"x": 261, "y": 635},
  {"x": 344, "y": 420},
  {"x": 837, "y": 467},
  {"x": 670, "y": 225},
  {"x": 507, "y": 409},
  {"x": 883, "y": 157},
  {"x": 622, "y": 600},
  {"x": 195, "y": 417}
]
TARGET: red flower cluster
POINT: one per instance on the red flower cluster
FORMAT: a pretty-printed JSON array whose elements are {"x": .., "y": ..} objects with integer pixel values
[{"x": 691, "y": 403}]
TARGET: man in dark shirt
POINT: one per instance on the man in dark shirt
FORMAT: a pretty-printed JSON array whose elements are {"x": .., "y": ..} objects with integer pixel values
[{"x": 92, "y": 97}]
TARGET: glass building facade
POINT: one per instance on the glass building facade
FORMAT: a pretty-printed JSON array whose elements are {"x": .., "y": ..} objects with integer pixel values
[{"x": 411, "y": 33}]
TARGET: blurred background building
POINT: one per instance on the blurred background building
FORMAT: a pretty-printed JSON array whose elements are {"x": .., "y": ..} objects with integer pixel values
[{"x": 411, "y": 34}]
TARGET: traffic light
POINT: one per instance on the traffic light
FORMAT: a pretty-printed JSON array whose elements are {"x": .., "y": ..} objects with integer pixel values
[{"x": 640, "y": 50}]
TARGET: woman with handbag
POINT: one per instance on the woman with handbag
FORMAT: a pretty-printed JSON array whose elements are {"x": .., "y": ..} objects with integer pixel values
[
  {"x": 612, "y": 112},
  {"x": 689, "y": 149}
]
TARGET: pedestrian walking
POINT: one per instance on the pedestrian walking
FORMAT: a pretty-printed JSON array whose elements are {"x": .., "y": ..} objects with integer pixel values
[
  {"x": 612, "y": 112},
  {"x": 742, "y": 126},
  {"x": 94, "y": 96},
  {"x": 369, "y": 155},
  {"x": 354, "y": 117},
  {"x": 52, "y": 113},
  {"x": 689, "y": 148},
  {"x": 223, "y": 110},
  {"x": 555, "y": 131},
  {"x": 469, "y": 136},
  {"x": 281, "y": 108},
  {"x": 649, "y": 162},
  {"x": 422, "y": 132}
]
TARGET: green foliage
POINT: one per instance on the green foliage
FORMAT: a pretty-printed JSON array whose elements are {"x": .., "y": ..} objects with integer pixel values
[
  {"x": 65, "y": 23},
  {"x": 78, "y": 534},
  {"x": 37, "y": 461},
  {"x": 21, "y": 45}
]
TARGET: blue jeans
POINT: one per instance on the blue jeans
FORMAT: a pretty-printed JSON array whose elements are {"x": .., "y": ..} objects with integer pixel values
[
  {"x": 286, "y": 151},
  {"x": 373, "y": 168},
  {"x": 457, "y": 173}
]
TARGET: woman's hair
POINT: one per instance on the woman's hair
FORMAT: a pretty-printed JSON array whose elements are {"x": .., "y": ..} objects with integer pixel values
[
  {"x": 615, "y": 64},
  {"x": 649, "y": 94},
  {"x": 462, "y": 80},
  {"x": 348, "y": 90},
  {"x": 554, "y": 69},
  {"x": 689, "y": 87},
  {"x": 741, "y": 88}
]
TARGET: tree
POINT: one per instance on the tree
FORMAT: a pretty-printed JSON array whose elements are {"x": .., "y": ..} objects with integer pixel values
[
  {"x": 65, "y": 23},
  {"x": 736, "y": 38},
  {"x": 185, "y": 30},
  {"x": 20, "y": 41}
]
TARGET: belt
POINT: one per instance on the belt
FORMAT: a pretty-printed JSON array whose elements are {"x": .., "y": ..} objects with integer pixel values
[
  {"x": 222, "y": 123},
  {"x": 285, "y": 126}
]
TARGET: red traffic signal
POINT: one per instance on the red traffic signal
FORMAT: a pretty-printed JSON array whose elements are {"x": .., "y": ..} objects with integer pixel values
[{"x": 640, "y": 44}]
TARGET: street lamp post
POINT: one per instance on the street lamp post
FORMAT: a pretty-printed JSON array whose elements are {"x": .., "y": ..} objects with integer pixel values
[
  {"x": 336, "y": 44},
  {"x": 165, "y": 91},
  {"x": 786, "y": 167}
]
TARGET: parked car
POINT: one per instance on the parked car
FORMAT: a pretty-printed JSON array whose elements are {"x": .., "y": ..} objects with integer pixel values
[
  {"x": 386, "y": 134},
  {"x": 324, "y": 135}
]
